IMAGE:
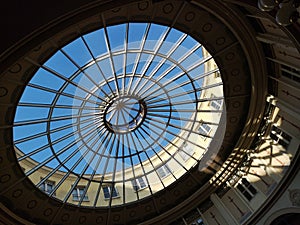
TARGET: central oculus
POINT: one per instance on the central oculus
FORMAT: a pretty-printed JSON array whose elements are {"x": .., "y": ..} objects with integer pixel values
[{"x": 124, "y": 114}]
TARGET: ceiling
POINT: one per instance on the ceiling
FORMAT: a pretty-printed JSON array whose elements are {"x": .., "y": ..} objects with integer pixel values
[{"x": 36, "y": 30}]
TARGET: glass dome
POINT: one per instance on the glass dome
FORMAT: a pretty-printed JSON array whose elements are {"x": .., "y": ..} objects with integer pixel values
[{"x": 118, "y": 114}]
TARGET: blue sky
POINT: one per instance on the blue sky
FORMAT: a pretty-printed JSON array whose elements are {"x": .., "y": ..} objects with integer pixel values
[{"x": 71, "y": 87}]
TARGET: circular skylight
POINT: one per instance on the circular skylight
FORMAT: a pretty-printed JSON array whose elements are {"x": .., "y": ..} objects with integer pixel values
[{"x": 118, "y": 114}]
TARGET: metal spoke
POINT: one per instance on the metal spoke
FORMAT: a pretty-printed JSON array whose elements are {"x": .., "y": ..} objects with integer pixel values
[
  {"x": 123, "y": 168},
  {"x": 163, "y": 38},
  {"x": 126, "y": 126},
  {"x": 105, "y": 168},
  {"x": 106, "y": 145},
  {"x": 28, "y": 138},
  {"x": 152, "y": 56},
  {"x": 187, "y": 110},
  {"x": 176, "y": 64},
  {"x": 175, "y": 135},
  {"x": 67, "y": 80},
  {"x": 184, "y": 72},
  {"x": 178, "y": 118},
  {"x": 62, "y": 164},
  {"x": 156, "y": 153},
  {"x": 43, "y": 105},
  {"x": 70, "y": 171},
  {"x": 53, "y": 143},
  {"x": 92, "y": 176},
  {"x": 188, "y": 92},
  {"x": 164, "y": 59},
  {"x": 172, "y": 104},
  {"x": 177, "y": 103},
  {"x": 37, "y": 121},
  {"x": 132, "y": 164},
  {"x": 80, "y": 176},
  {"x": 107, "y": 42},
  {"x": 112, "y": 115},
  {"x": 149, "y": 97},
  {"x": 114, "y": 170},
  {"x": 123, "y": 116},
  {"x": 83, "y": 71},
  {"x": 166, "y": 151},
  {"x": 59, "y": 166},
  {"x": 98, "y": 67},
  {"x": 61, "y": 93},
  {"x": 154, "y": 168},
  {"x": 125, "y": 59},
  {"x": 85, "y": 168},
  {"x": 143, "y": 41}
]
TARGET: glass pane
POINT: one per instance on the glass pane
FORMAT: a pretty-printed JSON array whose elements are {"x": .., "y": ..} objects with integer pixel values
[{"x": 115, "y": 115}]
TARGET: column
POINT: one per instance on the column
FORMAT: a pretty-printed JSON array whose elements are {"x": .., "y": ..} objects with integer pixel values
[
  {"x": 202, "y": 217},
  {"x": 223, "y": 210}
]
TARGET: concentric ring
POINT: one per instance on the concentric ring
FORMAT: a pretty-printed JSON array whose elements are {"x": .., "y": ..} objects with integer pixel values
[
  {"x": 126, "y": 106},
  {"x": 124, "y": 114}
]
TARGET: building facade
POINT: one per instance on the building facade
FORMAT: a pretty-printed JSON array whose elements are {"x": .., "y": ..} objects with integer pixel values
[{"x": 235, "y": 159}]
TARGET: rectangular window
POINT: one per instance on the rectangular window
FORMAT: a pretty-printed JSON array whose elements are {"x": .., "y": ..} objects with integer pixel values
[
  {"x": 186, "y": 152},
  {"x": 163, "y": 171},
  {"x": 246, "y": 189},
  {"x": 216, "y": 103},
  {"x": 139, "y": 183},
  {"x": 135, "y": 185},
  {"x": 78, "y": 193},
  {"x": 47, "y": 186},
  {"x": 242, "y": 189},
  {"x": 217, "y": 74},
  {"x": 290, "y": 73},
  {"x": 249, "y": 186},
  {"x": 110, "y": 191},
  {"x": 280, "y": 136},
  {"x": 204, "y": 129}
]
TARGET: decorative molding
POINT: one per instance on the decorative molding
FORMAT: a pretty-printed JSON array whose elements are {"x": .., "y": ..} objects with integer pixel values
[{"x": 294, "y": 195}]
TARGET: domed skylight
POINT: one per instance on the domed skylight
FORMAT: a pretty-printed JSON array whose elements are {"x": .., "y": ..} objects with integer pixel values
[{"x": 118, "y": 114}]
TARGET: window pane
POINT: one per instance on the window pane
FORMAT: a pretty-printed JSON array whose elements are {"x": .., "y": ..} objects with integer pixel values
[
  {"x": 106, "y": 192},
  {"x": 142, "y": 182},
  {"x": 204, "y": 129},
  {"x": 252, "y": 190},
  {"x": 240, "y": 188},
  {"x": 114, "y": 192},
  {"x": 247, "y": 195},
  {"x": 135, "y": 185},
  {"x": 161, "y": 172}
]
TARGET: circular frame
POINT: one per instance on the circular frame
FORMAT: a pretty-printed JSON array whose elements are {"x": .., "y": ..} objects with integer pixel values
[{"x": 210, "y": 27}]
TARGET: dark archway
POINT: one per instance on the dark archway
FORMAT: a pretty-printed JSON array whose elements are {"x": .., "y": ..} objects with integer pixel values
[{"x": 287, "y": 219}]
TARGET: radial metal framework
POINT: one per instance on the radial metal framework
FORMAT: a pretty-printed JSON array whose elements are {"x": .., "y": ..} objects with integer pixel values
[{"x": 114, "y": 106}]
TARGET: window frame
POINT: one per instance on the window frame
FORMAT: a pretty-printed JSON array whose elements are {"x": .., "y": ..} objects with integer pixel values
[
  {"x": 165, "y": 169},
  {"x": 139, "y": 184},
  {"x": 280, "y": 137},
  {"x": 202, "y": 128},
  {"x": 109, "y": 188},
  {"x": 246, "y": 189},
  {"x": 45, "y": 184},
  {"x": 290, "y": 73},
  {"x": 78, "y": 195},
  {"x": 216, "y": 103},
  {"x": 217, "y": 74},
  {"x": 186, "y": 151}
]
